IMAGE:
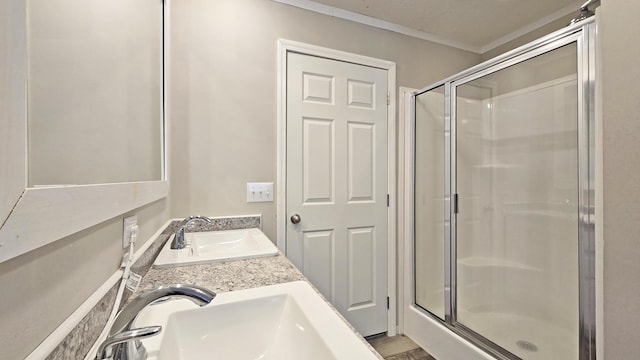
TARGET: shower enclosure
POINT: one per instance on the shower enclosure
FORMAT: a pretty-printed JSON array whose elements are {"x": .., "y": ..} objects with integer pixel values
[{"x": 503, "y": 200}]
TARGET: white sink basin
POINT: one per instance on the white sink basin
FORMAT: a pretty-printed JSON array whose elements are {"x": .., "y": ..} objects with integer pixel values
[
  {"x": 285, "y": 321},
  {"x": 213, "y": 246}
]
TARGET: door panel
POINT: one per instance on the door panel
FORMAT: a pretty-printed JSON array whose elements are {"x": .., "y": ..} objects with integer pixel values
[
  {"x": 361, "y": 162},
  {"x": 361, "y": 94},
  {"x": 321, "y": 245},
  {"x": 318, "y": 160},
  {"x": 337, "y": 183},
  {"x": 362, "y": 271},
  {"x": 317, "y": 88}
]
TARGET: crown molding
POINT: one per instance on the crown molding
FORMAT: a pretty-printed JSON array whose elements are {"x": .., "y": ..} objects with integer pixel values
[
  {"x": 529, "y": 28},
  {"x": 400, "y": 29},
  {"x": 377, "y": 23}
]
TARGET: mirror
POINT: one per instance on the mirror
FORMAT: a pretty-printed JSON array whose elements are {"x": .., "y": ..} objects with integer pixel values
[
  {"x": 87, "y": 142},
  {"x": 94, "y": 91}
]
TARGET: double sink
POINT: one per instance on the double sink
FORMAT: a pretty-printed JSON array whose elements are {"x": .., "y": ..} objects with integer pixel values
[{"x": 284, "y": 321}]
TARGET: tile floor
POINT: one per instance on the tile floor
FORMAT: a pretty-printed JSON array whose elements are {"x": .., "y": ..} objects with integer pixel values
[{"x": 398, "y": 347}]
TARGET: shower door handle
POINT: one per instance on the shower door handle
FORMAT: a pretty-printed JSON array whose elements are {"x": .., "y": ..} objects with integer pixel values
[{"x": 456, "y": 209}]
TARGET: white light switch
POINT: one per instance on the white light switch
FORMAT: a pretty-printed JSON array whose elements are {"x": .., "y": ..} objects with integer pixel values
[{"x": 259, "y": 192}]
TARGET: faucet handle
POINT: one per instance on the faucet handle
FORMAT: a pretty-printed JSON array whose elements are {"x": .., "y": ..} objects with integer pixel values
[
  {"x": 178, "y": 241},
  {"x": 179, "y": 238},
  {"x": 105, "y": 350}
]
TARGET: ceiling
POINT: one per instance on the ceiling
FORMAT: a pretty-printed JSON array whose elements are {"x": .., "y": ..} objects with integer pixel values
[{"x": 477, "y": 24}]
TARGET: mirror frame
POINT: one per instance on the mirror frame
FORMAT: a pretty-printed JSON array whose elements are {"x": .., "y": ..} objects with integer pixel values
[{"x": 34, "y": 217}]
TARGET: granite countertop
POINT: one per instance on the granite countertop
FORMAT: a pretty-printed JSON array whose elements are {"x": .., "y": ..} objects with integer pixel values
[
  {"x": 226, "y": 276},
  {"x": 232, "y": 276}
]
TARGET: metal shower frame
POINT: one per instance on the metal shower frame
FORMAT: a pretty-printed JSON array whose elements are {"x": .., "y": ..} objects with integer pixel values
[{"x": 583, "y": 34}]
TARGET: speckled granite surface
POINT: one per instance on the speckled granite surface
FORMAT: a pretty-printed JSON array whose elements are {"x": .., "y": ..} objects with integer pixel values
[
  {"x": 226, "y": 276},
  {"x": 81, "y": 339},
  {"x": 219, "y": 277},
  {"x": 222, "y": 223},
  {"x": 144, "y": 263}
]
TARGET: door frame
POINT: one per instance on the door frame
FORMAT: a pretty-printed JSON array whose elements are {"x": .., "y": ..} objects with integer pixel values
[
  {"x": 286, "y": 46},
  {"x": 405, "y": 202}
]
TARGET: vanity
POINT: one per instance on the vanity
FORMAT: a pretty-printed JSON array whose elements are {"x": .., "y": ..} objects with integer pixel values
[{"x": 264, "y": 308}]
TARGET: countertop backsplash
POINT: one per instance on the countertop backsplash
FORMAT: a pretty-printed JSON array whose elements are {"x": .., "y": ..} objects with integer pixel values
[{"x": 80, "y": 340}]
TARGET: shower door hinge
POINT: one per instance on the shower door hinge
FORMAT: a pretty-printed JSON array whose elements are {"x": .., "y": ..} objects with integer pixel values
[
  {"x": 455, "y": 203},
  {"x": 388, "y": 303},
  {"x": 388, "y": 201}
]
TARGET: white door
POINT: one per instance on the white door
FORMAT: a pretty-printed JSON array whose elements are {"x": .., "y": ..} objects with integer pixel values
[{"x": 337, "y": 184}]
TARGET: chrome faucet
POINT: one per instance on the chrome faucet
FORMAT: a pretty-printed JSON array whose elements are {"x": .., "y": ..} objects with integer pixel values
[
  {"x": 123, "y": 342},
  {"x": 178, "y": 240}
]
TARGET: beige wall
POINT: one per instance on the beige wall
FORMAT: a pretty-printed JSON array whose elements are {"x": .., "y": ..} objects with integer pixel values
[
  {"x": 223, "y": 134},
  {"x": 41, "y": 288},
  {"x": 619, "y": 32},
  {"x": 223, "y": 92},
  {"x": 12, "y": 109},
  {"x": 531, "y": 36}
]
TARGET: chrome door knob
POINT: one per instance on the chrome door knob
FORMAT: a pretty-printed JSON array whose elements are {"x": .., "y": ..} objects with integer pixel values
[{"x": 295, "y": 218}]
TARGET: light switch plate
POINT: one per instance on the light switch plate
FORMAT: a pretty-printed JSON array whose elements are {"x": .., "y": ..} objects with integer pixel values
[{"x": 259, "y": 192}]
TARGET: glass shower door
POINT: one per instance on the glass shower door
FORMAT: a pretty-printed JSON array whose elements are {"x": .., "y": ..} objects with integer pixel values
[
  {"x": 516, "y": 176},
  {"x": 429, "y": 196}
]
